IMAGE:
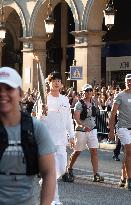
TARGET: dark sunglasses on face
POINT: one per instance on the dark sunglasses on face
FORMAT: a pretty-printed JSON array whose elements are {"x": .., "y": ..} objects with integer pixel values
[{"x": 89, "y": 90}]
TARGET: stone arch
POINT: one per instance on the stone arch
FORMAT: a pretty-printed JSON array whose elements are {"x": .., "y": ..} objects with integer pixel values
[
  {"x": 93, "y": 15},
  {"x": 13, "y": 34},
  {"x": 15, "y": 6},
  {"x": 11, "y": 19},
  {"x": 75, "y": 11},
  {"x": 37, "y": 14},
  {"x": 40, "y": 10},
  {"x": 11, "y": 51}
]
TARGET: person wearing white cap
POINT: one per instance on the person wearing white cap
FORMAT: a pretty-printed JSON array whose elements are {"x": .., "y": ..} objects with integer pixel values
[
  {"x": 18, "y": 144},
  {"x": 86, "y": 134},
  {"x": 122, "y": 107}
]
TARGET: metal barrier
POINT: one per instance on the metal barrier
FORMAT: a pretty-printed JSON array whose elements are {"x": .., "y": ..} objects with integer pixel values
[
  {"x": 72, "y": 113},
  {"x": 102, "y": 121}
]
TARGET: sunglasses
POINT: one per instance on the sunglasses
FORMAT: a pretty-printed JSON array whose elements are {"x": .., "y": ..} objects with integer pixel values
[{"x": 89, "y": 90}]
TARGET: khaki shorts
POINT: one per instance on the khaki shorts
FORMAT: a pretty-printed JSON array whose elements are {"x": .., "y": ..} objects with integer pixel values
[
  {"x": 124, "y": 135},
  {"x": 86, "y": 140}
]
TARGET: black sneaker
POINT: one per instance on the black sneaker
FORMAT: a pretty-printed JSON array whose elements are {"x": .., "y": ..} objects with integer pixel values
[
  {"x": 116, "y": 158},
  {"x": 68, "y": 176},
  {"x": 129, "y": 184},
  {"x": 122, "y": 182},
  {"x": 70, "y": 171},
  {"x": 65, "y": 177},
  {"x": 98, "y": 178}
]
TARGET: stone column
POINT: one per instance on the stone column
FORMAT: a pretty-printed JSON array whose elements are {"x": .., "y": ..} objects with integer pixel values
[
  {"x": 64, "y": 40},
  {"x": 94, "y": 43},
  {"x": 27, "y": 71},
  {"x": 39, "y": 49},
  {"x": 34, "y": 55},
  {"x": 88, "y": 55},
  {"x": 81, "y": 59}
]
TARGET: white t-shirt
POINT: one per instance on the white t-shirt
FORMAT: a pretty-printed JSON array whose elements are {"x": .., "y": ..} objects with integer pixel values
[
  {"x": 21, "y": 189},
  {"x": 59, "y": 120},
  {"x": 123, "y": 99}
]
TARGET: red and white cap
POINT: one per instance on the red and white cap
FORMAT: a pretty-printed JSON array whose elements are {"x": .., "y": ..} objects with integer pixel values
[{"x": 10, "y": 77}]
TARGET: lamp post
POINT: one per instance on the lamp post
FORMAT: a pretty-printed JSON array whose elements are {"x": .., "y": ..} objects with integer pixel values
[
  {"x": 109, "y": 14},
  {"x": 2, "y": 23},
  {"x": 49, "y": 21}
]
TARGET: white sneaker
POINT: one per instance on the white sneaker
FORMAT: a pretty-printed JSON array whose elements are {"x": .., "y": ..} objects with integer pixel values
[{"x": 56, "y": 203}]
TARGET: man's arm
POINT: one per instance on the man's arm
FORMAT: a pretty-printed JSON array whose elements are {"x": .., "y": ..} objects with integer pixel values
[
  {"x": 48, "y": 173},
  {"x": 79, "y": 122},
  {"x": 70, "y": 129},
  {"x": 77, "y": 118},
  {"x": 112, "y": 121}
]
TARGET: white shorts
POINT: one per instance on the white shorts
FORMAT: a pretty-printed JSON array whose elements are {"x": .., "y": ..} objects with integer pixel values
[
  {"x": 124, "y": 135},
  {"x": 86, "y": 140}
]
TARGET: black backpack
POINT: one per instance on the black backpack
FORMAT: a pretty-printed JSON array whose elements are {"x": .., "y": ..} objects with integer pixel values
[
  {"x": 28, "y": 143},
  {"x": 83, "y": 114}
]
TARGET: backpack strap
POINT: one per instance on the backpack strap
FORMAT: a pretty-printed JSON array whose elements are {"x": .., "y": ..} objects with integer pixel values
[
  {"x": 84, "y": 106},
  {"x": 93, "y": 104},
  {"x": 29, "y": 144},
  {"x": 82, "y": 102},
  {"x": 3, "y": 139},
  {"x": 83, "y": 114},
  {"x": 94, "y": 110}
]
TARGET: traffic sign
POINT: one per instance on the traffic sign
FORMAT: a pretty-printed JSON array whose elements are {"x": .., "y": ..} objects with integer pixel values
[{"x": 76, "y": 73}]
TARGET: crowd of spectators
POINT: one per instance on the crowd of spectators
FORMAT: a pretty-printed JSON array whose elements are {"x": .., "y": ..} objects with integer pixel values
[
  {"x": 102, "y": 97},
  {"x": 28, "y": 100}
]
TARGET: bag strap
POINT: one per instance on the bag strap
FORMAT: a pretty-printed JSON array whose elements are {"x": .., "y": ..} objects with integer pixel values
[
  {"x": 3, "y": 139},
  {"x": 82, "y": 102},
  {"x": 27, "y": 123},
  {"x": 29, "y": 144},
  {"x": 93, "y": 104}
]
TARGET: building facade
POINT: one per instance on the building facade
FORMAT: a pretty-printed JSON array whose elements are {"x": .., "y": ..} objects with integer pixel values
[{"x": 78, "y": 34}]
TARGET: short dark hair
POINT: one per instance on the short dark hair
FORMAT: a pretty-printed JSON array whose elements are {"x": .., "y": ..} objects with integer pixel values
[{"x": 54, "y": 75}]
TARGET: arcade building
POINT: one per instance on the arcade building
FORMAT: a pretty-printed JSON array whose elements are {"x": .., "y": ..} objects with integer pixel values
[{"x": 80, "y": 35}]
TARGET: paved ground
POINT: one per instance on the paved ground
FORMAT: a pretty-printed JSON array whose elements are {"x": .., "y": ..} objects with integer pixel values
[{"x": 86, "y": 192}]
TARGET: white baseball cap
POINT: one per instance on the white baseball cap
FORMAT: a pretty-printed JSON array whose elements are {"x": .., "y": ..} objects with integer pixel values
[
  {"x": 128, "y": 76},
  {"x": 10, "y": 77},
  {"x": 86, "y": 87}
]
